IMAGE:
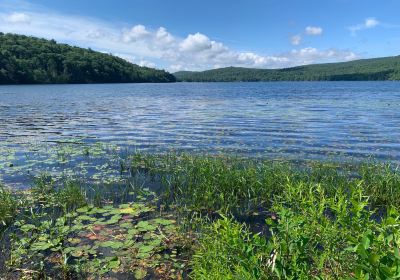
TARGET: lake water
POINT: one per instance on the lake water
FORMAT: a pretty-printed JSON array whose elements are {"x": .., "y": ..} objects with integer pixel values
[
  {"x": 301, "y": 119},
  {"x": 293, "y": 120}
]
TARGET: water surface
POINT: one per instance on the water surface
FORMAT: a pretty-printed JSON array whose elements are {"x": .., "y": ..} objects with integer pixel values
[{"x": 294, "y": 120}]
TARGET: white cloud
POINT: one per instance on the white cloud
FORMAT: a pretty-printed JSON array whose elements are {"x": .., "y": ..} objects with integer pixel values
[
  {"x": 155, "y": 47},
  {"x": 177, "y": 67},
  {"x": 312, "y": 55},
  {"x": 367, "y": 24},
  {"x": 313, "y": 30},
  {"x": 138, "y": 32},
  {"x": 195, "y": 43},
  {"x": 296, "y": 39},
  {"x": 164, "y": 37},
  {"x": 147, "y": 63},
  {"x": 309, "y": 30},
  {"x": 17, "y": 18},
  {"x": 371, "y": 22}
]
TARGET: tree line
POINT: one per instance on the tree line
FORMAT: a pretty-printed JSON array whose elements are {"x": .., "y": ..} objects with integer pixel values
[
  {"x": 30, "y": 60},
  {"x": 387, "y": 68}
]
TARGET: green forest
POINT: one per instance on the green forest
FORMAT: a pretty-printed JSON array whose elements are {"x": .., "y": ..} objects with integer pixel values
[
  {"x": 376, "y": 69},
  {"x": 30, "y": 60}
]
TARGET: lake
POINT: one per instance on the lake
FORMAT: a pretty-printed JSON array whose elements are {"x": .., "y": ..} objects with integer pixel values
[{"x": 332, "y": 121}]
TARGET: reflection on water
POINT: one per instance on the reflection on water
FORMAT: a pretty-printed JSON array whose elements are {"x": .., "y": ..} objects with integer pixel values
[
  {"x": 299, "y": 120},
  {"x": 276, "y": 119}
]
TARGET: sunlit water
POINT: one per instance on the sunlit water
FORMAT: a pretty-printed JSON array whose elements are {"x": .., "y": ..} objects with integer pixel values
[{"x": 293, "y": 120}]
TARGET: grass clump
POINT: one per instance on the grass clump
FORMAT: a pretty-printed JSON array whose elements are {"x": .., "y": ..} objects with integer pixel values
[
  {"x": 381, "y": 182},
  {"x": 8, "y": 207},
  {"x": 228, "y": 250},
  {"x": 242, "y": 186},
  {"x": 314, "y": 220}
]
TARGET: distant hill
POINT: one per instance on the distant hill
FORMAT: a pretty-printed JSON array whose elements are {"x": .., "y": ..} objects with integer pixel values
[
  {"x": 30, "y": 60},
  {"x": 386, "y": 68}
]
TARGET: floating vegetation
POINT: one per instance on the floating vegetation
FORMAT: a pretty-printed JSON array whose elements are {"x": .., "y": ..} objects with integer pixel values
[
  {"x": 99, "y": 162},
  {"x": 51, "y": 238}
]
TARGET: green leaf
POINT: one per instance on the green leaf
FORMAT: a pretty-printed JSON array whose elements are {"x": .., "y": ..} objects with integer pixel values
[
  {"x": 146, "y": 249},
  {"x": 366, "y": 241},
  {"x": 396, "y": 253},
  {"x": 140, "y": 273},
  {"x": 111, "y": 244},
  {"x": 145, "y": 226},
  {"x": 28, "y": 227},
  {"x": 83, "y": 209},
  {"x": 114, "y": 264},
  {"x": 41, "y": 246}
]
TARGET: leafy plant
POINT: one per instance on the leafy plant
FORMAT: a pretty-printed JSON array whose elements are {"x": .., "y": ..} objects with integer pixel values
[{"x": 228, "y": 251}]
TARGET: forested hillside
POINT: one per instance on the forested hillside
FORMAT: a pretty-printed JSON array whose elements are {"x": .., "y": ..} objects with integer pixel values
[
  {"x": 29, "y": 60},
  {"x": 387, "y": 68}
]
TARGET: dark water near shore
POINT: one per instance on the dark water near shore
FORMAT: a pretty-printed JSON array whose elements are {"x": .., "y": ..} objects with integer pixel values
[{"x": 293, "y": 120}]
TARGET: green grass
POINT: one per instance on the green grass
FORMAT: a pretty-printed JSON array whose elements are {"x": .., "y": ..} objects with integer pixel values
[
  {"x": 244, "y": 186},
  {"x": 8, "y": 206},
  {"x": 227, "y": 250},
  {"x": 236, "y": 218},
  {"x": 323, "y": 221}
]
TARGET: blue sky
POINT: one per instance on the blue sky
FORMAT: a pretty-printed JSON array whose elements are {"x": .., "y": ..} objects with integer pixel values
[{"x": 195, "y": 35}]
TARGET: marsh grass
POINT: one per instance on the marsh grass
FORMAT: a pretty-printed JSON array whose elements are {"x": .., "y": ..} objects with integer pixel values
[
  {"x": 246, "y": 186},
  {"x": 322, "y": 221},
  {"x": 238, "y": 218},
  {"x": 8, "y": 207}
]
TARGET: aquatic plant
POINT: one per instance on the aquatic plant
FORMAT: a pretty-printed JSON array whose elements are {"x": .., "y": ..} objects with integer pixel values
[
  {"x": 244, "y": 186},
  {"x": 228, "y": 250},
  {"x": 8, "y": 206},
  {"x": 52, "y": 239},
  {"x": 310, "y": 236},
  {"x": 203, "y": 217}
]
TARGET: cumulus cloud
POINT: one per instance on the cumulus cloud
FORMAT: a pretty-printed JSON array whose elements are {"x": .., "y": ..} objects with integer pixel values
[
  {"x": 164, "y": 37},
  {"x": 367, "y": 24},
  {"x": 313, "y": 30},
  {"x": 308, "y": 31},
  {"x": 196, "y": 43},
  {"x": 157, "y": 47},
  {"x": 17, "y": 18},
  {"x": 138, "y": 32},
  {"x": 312, "y": 55},
  {"x": 296, "y": 39}
]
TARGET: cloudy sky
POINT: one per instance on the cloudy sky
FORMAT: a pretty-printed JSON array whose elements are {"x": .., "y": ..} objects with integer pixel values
[{"x": 196, "y": 35}]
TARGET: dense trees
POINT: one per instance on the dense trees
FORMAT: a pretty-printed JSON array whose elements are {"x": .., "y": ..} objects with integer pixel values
[
  {"x": 31, "y": 60},
  {"x": 26, "y": 59},
  {"x": 387, "y": 68}
]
